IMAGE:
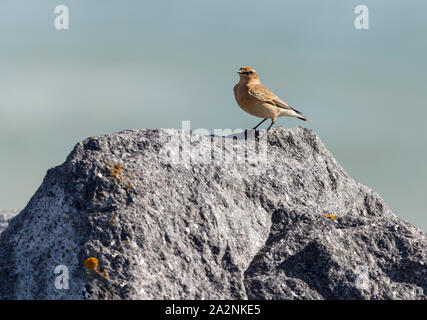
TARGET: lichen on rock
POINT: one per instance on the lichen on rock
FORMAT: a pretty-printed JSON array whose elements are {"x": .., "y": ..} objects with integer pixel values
[{"x": 188, "y": 229}]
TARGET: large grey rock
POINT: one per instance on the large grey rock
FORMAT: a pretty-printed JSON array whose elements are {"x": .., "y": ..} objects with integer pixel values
[
  {"x": 163, "y": 227},
  {"x": 5, "y": 216}
]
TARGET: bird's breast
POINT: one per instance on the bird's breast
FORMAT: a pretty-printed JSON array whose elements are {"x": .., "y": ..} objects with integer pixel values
[
  {"x": 242, "y": 95},
  {"x": 252, "y": 105}
]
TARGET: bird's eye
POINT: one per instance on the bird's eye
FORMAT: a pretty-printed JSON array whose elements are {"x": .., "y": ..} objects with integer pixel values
[{"x": 251, "y": 72}]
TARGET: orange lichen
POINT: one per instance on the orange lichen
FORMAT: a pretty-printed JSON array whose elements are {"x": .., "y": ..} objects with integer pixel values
[
  {"x": 330, "y": 216},
  {"x": 116, "y": 171},
  {"x": 91, "y": 263},
  {"x": 92, "y": 266},
  {"x": 122, "y": 176},
  {"x": 112, "y": 221}
]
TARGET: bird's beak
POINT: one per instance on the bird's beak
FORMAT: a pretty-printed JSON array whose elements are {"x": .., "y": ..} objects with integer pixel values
[{"x": 239, "y": 72}]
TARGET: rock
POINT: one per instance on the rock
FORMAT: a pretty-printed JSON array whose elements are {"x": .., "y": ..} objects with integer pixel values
[
  {"x": 5, "y": 216},
  {"x": 286, "y": 224}
]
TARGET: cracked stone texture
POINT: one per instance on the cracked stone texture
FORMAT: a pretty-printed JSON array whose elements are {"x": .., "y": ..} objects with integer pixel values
[{"x": 168, "y": 228}]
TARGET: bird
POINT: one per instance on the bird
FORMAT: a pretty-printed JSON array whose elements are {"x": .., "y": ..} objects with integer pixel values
[{"x": 257, "y": 100}]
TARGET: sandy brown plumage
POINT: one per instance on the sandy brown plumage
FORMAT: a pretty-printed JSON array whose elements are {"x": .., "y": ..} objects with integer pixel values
[{"x": 258, "y": 101}]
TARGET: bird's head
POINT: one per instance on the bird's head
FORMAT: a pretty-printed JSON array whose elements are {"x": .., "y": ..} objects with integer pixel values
[{"x": 247, "y": 73}]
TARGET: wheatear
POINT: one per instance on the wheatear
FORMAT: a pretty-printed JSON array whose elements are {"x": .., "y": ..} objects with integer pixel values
[{"x": 258, "y": 101}]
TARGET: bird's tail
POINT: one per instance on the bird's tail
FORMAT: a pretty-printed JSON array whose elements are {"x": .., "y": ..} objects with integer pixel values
[
  {"x": 299, "y": 115},
  {"x": 303, "y": 118}
]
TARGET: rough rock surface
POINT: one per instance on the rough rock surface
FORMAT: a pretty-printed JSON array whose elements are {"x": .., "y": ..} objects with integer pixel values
[
  {"x": 162, "y": 227},
  {"x": 5, "y": 216}
]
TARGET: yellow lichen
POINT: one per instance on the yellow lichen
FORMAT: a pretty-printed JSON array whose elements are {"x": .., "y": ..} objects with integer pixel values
[
  {"x": 91, "y": 263},
  {"x": 330, "y": 216}
]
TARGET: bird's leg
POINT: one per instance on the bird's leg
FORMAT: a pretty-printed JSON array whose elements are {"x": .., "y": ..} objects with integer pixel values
[
  {"x": 259, "y": 124},
  {"x": 271, "y": 124}
]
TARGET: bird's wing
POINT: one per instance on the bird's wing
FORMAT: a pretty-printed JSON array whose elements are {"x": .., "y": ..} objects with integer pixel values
[{"x": 263, "y": 94}]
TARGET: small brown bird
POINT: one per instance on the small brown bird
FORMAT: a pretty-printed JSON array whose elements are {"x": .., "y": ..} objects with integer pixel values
[{"x": 258, "y": 101}]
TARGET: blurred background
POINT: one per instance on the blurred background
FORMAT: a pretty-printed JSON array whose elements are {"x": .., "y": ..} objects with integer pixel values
[{"x": 147, "y": 64}]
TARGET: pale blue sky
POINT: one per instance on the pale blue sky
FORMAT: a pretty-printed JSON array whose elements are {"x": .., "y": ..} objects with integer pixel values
[{"x": 364, "y": 90}]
